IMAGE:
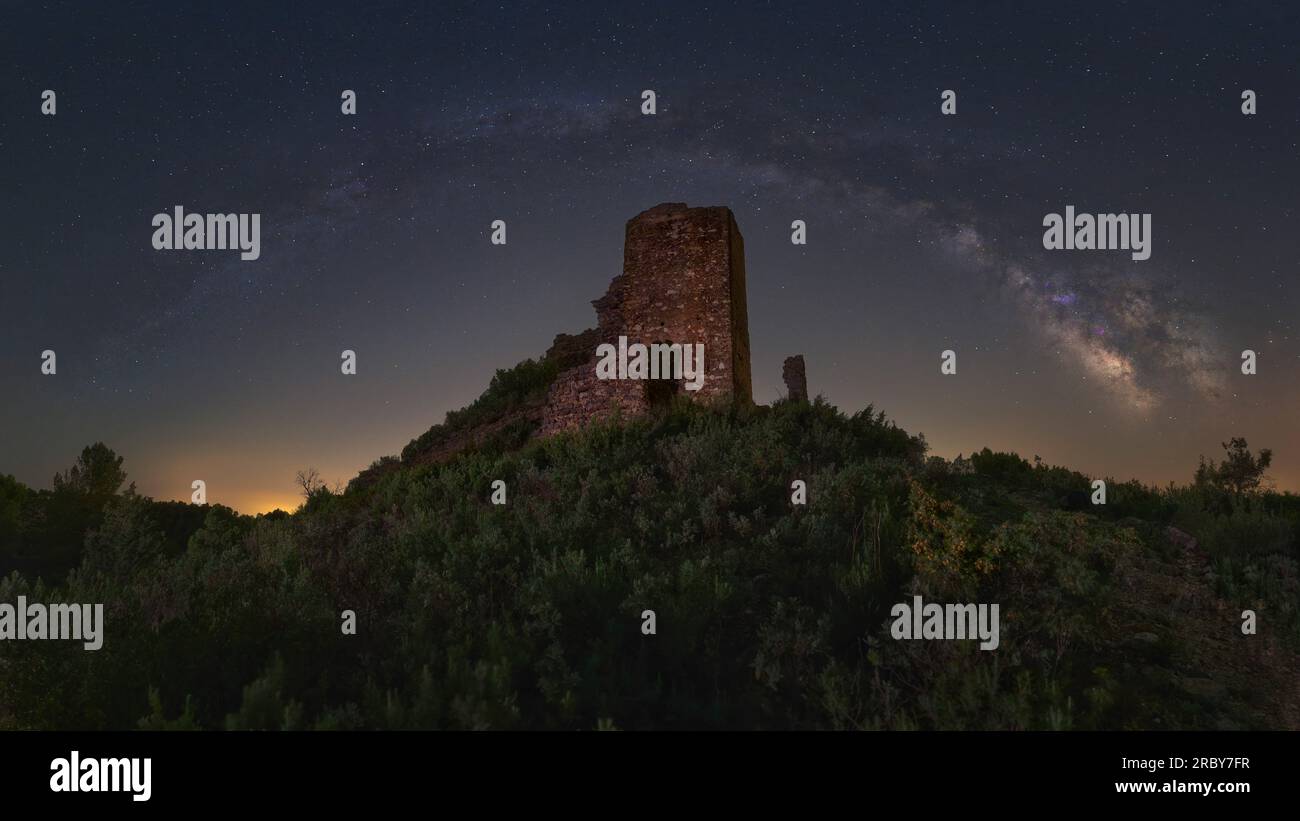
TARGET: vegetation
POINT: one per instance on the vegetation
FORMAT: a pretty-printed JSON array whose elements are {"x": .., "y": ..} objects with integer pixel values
[{"x": 528, "y": 615}]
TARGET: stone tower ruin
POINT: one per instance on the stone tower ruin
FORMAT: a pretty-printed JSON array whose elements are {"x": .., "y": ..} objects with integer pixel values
[
  {"x": 796, "y": 378},
  {"x": 683, "y": 282}
]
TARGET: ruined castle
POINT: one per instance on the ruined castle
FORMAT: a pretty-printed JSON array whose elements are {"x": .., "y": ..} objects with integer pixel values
[{"x": 683, "y": 282}]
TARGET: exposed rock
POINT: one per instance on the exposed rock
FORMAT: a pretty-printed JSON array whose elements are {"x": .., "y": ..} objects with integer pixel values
[{"x": 1183, "y": 539}]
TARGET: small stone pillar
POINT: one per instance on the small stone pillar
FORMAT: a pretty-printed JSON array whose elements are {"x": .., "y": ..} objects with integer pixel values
[{"x": 796, "y": 378}]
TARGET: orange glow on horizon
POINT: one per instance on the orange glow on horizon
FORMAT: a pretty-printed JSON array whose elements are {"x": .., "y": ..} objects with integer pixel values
[
  {"x": 253, "y": 504},
  {"x": 265, "y": 504}
]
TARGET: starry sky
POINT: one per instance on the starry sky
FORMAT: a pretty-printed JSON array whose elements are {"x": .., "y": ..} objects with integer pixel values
[{"x": 924, "y": 231}]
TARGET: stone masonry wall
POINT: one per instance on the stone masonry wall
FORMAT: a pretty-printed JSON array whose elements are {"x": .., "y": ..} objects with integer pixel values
[
  {"x": 796, "y": 378},
  {"x": 683, "y": 282}
]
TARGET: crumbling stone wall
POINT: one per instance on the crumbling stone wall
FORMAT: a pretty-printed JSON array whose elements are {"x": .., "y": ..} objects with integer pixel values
[
  {"x": 683, "y": 282},
  {"x": 796, "y": 378}
]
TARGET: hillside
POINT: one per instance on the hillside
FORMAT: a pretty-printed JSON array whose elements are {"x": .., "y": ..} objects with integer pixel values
[{"x": 769, "y": 614}]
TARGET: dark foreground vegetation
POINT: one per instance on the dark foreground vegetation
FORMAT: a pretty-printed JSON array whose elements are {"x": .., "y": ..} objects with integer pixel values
[{"x": 528, "y": 615}]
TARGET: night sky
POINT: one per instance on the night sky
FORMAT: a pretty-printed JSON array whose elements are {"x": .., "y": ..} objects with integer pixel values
[{"x": 924, "y": 231}]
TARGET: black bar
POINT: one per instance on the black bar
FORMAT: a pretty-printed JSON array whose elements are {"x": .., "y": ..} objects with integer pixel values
[{"x": 931, "y": 769}]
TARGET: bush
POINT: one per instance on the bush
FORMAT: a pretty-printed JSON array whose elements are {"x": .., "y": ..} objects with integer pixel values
[{"x": 528, "y": 615}]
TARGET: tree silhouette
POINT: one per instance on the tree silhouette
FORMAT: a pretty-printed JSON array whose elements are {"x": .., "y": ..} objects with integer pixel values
[
  {"x": 98, "y": 473},
  {"x": 310, "y": 482},
  {"x": 1240, "y": 472}
]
